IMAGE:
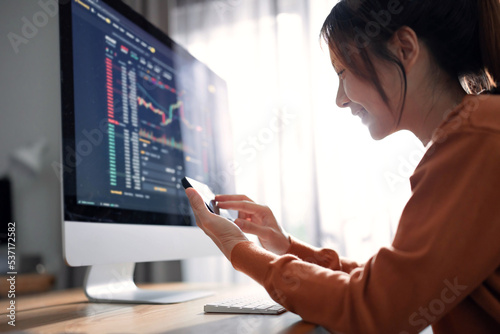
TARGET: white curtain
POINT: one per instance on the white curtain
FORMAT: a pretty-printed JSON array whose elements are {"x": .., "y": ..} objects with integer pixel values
[
  {"x": 314, "y": 164},
  {"x": 262, "y": 50}
]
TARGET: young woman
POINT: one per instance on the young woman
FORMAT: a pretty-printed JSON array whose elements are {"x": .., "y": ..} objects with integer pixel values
[{"x": 431, "y": 67}]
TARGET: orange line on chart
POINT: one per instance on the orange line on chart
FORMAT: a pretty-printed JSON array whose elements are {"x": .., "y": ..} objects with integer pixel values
[
  {"x": 83, "y": 4},
  {"x": 164, "y": 120}
]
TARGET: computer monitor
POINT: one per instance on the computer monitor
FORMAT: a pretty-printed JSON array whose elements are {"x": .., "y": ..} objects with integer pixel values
[{"x": 138, "y": 114}]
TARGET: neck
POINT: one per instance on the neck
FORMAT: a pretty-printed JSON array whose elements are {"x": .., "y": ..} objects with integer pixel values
[{"x": 425, "y": 117}]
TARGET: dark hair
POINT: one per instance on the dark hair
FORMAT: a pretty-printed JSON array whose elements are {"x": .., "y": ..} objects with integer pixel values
[{"x": 463, "y": 36}]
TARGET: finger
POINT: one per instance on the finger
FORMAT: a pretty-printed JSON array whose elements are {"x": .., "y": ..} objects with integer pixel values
[
  {"x": 246, "y": 210},
  {"x": 244, "y": 215},
  {"x": 197, "y": 204},
  {"x": 249, "y": 207},
  {"x": 244, "y": 206},
  {"x": 225, "y": 198},
  {"x": 249, "y": 227}
]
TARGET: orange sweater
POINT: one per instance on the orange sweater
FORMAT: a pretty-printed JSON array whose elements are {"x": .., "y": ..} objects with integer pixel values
[{"x": 443, "y": 267}]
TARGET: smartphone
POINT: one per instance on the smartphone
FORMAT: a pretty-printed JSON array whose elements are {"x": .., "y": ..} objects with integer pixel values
[{"x": 207, "y": 195}]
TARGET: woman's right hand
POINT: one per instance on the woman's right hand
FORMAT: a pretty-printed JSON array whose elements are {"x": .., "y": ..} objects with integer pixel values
[{"x": 256, "y": 219}]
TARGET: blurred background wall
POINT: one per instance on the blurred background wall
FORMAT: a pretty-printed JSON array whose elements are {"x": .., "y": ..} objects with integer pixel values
[{"x": 30, "y": 114}]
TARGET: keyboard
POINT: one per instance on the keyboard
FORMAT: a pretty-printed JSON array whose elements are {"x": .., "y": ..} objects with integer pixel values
[{"x": 246, "y": 304}]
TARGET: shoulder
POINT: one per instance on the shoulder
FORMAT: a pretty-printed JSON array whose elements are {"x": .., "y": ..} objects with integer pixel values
[
  {"x": 468, "y": 140},
  {"x": 485, "y": 112},
  {"x": 475, "y": 113},
  {"x": 477, "y": 118}
]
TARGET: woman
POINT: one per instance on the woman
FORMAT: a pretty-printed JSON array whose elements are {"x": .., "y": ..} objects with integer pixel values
[{"x": 402, "y": 65}]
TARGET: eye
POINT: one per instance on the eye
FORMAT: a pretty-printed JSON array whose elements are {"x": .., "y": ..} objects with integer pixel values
[{"x": 341, "y": 74}]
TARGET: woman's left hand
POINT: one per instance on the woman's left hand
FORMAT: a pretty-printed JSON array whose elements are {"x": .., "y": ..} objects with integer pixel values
[{"x": 224, "y": 233}]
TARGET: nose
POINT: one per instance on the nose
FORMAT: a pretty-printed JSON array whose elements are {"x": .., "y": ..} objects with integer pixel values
[{"x": 342, "y": 99}]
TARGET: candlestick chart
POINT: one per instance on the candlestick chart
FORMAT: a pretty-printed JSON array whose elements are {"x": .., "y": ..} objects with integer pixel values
[{"x": 152, "y": 130}]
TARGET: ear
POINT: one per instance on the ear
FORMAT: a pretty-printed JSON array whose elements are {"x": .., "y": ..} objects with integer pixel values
[{"x": 405, "y": 45}]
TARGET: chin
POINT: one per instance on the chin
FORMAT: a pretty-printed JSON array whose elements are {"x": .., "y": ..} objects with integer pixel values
[{"x": 377, "y": 133}]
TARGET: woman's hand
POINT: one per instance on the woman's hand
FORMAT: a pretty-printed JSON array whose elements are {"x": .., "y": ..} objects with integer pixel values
[
  {"x": 224, "y": 233},
  {"x": 256, "y": 219}
]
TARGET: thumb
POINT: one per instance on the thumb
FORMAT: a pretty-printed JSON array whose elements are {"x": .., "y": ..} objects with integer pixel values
[{"x": 197, "y": 203}]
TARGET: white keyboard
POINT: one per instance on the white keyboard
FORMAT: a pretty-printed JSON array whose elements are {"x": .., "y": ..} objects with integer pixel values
[{"x": 246, "y": 304}]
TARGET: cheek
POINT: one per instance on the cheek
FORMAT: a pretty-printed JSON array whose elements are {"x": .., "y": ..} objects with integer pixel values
[{"x": 361, "y": 93}]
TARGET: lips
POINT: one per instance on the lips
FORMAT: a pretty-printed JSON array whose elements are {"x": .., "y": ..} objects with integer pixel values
[{"x": 361, "y": 112}]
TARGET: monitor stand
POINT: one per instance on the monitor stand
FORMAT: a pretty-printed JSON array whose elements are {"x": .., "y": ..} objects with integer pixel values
[{"x": 114, "y": 283}]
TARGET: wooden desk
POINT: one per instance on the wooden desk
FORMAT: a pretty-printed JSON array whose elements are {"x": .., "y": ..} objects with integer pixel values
[{"x": 70, "y": 312}]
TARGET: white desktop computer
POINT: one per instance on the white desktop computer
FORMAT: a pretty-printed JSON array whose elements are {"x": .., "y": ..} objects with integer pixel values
[{"x": 138, "y": 114}]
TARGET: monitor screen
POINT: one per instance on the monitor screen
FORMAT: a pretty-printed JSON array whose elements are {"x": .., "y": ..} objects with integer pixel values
[{"x": 139, "y": 114}]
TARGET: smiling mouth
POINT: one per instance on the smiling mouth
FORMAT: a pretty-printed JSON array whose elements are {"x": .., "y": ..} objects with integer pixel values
[{"x": 361, "y": 113}]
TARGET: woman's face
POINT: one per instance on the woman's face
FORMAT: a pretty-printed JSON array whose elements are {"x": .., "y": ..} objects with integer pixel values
[{"x": 365, "y": 101}]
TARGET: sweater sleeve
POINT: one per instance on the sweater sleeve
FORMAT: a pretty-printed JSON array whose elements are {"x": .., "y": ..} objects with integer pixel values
[
  {"x": 445, "y": 247},
  {"x": 323, "y": 257}
]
